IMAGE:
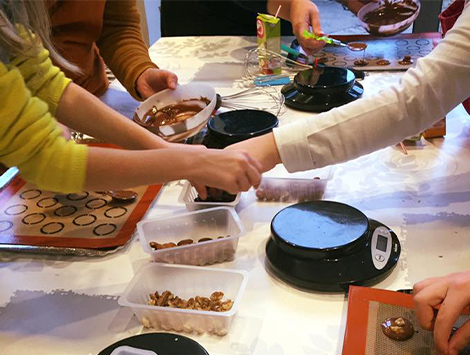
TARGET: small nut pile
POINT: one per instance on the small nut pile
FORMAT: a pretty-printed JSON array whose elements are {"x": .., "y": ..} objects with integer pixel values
[
  {"x": 158, "y": 246},
  {"x": 214, "y": 303}
]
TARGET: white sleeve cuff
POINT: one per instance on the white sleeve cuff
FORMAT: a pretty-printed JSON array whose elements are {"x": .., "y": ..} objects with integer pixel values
[{"x": 292, "y": 144}]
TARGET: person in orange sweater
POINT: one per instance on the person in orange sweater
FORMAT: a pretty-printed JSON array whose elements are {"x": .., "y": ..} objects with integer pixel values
[
  {"x": 93, "y": 33},
  {"x": 35, "y": 95}
]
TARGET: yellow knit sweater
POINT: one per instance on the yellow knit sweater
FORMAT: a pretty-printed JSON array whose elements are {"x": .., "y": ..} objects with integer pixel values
[{"x": 30, "y": 90}]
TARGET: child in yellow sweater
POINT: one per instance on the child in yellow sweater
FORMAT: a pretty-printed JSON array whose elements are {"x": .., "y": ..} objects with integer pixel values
[{"x": 34, "y": 93}]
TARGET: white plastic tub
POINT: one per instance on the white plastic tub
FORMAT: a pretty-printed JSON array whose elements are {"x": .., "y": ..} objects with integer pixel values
[
  {"x": 208, "y": 223},
  {"x": 189, "y": 193},
  {"x": 184, "y": 282},
  {"x": 280, "y": 186}
]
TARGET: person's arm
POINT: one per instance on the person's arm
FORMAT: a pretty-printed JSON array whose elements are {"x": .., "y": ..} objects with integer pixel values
[
  {"x": 304, "y": 16},
  {"x": 85, "y": 113},
  {"x": 426, "y": 93},
  {"x": 438, "y": 303},
  {"x": 126, "y": 54},
  {"x": 31, "y": 140},
  {"x": 80, "y": 110}
]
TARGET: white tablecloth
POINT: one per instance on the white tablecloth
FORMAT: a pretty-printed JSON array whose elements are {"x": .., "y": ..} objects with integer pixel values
[{"x": 68, "y": 305}]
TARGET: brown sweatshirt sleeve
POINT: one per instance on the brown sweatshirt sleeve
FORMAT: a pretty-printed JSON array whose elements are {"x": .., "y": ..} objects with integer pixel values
[{"x": 121, "y": 44}]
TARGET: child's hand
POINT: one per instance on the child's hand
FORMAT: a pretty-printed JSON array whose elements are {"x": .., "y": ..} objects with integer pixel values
[{"x": 154, "y": 80}]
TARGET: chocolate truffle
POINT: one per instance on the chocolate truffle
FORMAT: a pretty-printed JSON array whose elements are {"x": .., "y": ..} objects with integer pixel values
[
  {"x": 361, "y": 63},
  {"x": 398, "y": 328},
  {"x": 123, "y": 195},
  {"x": 406, "y": 60},
  {"x": 383, "y": 62}
]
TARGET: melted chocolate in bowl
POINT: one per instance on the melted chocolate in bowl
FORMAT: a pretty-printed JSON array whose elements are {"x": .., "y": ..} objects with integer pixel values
[
  {"x": 391, "y": 13},
  {"x": 175, "y": 113}
]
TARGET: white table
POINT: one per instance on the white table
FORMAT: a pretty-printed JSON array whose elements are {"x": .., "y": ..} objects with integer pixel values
[{"x": 68, "y": 305}]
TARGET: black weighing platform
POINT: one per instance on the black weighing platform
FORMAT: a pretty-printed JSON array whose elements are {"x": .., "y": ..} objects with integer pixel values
[
  {"x": 161, "y": 344},
  {"x": 321, "y": 89},
  {"x": 327, "y": 246}
]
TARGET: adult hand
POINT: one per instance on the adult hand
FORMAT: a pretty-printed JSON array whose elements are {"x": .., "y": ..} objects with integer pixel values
[
  {"x": 154, "y": 80},
  {"x": 262, "y": 148},
  {"x": 231, "y": 171},
  {"x": 303, "y": 15},
  {"x": 438, "y": 303}
]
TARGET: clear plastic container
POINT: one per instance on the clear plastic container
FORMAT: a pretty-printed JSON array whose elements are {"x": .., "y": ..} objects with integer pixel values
[
  {"x": 281, "y": 186},
  {"x": 184, "y": 282},
  {"x": 290, "y": 190},
  {"x": 209, "y": 223},
  {"x": 189, "y": 193}
]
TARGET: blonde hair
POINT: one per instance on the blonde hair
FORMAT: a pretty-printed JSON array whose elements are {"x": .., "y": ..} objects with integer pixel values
[{"x": 32, "y": 15}]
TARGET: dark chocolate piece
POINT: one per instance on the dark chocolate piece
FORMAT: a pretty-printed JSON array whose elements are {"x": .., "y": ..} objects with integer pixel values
[
  {"x": 204, "y": 240},
  {"x": 361, "y": 62},
  {"x": 398, "y": 328},
  {"x": 383, "y": 62},
  {"x": 123, "y": 195},
  {"x": 216, "y": 195},
  {"x": 406, "y": 60},
  {"x": 357, "y": 46}
]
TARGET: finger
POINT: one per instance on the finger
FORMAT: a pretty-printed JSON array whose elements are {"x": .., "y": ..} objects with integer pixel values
[
  {"x": 316, "y": 25},
  {"x": 172, "y": 81},
  {"x": 201, "y": 190},
  {"x": 450, "y": 310},
  {"x": 423, "y": 284},
  {"x": 426, "y": 301},
  {"x": 460, "y": 339},
  {"x": 253, "y": 174},
  {"x": 255, "y": 162},
  {"x": 243, "y": 183}
]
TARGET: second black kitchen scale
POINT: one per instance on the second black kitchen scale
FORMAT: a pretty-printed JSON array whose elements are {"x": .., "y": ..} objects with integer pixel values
[{"x": 327, "y": 246}]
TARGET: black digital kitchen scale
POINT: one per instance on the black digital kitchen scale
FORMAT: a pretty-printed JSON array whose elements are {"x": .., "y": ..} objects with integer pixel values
[
  {"x": 322, "y": 88},
  {"x": 160, "y": 343},
  {"x": 327, "y": 246}
]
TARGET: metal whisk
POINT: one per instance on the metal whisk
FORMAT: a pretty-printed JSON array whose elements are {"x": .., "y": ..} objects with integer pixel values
[{"x": 255, "y": 98}]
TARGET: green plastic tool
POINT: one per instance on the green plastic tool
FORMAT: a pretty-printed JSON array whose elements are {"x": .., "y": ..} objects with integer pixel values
[{"x": 328, "y": 40}]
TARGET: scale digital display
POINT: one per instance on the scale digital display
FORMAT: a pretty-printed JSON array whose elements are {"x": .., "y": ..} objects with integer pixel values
[{"x": 381, "y": 243}]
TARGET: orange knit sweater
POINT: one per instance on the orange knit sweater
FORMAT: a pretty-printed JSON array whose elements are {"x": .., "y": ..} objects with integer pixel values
[{"x": 90, "y": 33}]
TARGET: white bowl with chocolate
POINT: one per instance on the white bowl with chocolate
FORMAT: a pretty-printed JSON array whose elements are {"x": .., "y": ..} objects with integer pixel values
[
  {"x": 389, "y": 17},
  {"x": 177, "y": 114}
]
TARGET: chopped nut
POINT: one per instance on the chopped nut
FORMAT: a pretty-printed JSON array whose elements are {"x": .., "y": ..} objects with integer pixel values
[
  {"x": 163, "y": 299},
  {"x": 156, "y": 246},
  {"x": 214, "y": 303},
  {"x": 185, "y": 242},
  {"x": 400, "y": 321},
  {"x": 169, "y": 245},
  {"x": 396, "y": 329},
  {"x": 217, "y": 296}
]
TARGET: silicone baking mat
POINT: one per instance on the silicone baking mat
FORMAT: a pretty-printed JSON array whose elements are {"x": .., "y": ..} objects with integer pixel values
[
  {"x": 368, "y": 308},
  {"x": 87, "y": 223},
  {"x": 30, "y": 216},
  {"x": 392, "y": 49}
]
